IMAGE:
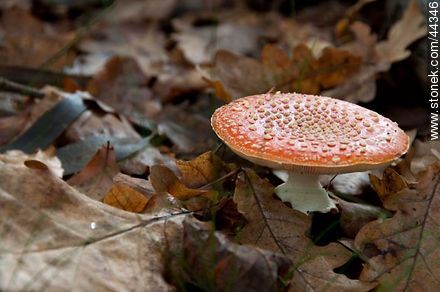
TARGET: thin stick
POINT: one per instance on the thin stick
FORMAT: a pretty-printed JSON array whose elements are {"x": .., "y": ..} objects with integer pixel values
[{"x": 10, "y": 86}]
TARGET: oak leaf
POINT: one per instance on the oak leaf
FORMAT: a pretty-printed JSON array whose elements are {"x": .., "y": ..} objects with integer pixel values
[
  {"x": 403, "y": 252},
  {"x": 303, "y": 72},
  {"x": 404, "y": 32},
  {"x": 54, "y": 238},
  {"x": 274, "y": 226}
]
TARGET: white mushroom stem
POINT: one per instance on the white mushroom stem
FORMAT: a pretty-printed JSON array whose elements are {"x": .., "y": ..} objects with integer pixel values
[{"x": 305, "y": 193}]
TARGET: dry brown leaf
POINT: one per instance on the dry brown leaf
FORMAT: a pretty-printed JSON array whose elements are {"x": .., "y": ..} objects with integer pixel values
[
  {"x": 47, "y": 158},
  {"x": 92, "y": 123},
  {"x": 12, "y": 126},
  {"x": 100, "y": 119},
  {"x": 32, "y": 43},
  {"x": 343, "y": 24},
  {"x": 403, "y": 251},
  {"x": 140, "y": 162},
  {"x": 201, "y": 170},
  {"x": 54, "y": 238},
  {"x": 235, "y": 76},
  {"x": 379, "y": 56},
  {"x": 354, "y": 216},
  {"x": 390, "y": 184},
  {"x": 96, "y": 178},
  {"x": 164, "y": 180},
  {"x": 141, "y": 185},
  {"x": 144, "y": 44},
  {"x": 274, "y": 226},
  {"x": 125, "y": 198},
  {"x": 179, "y": 81},
  {"x": 361, "y": 87},
  {"x": 404, "y": 32},
  {"x": 210, "y": 260},
  {"x": 189, "y": 131},
  {"x": 425, "y": 153},
  {"x": 122, "y": 85},
  {"x": 241, "y": 76},
  {"x": 199, "y": 44}
]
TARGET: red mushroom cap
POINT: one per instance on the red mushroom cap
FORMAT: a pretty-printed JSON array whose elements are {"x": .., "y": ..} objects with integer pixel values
[{"x": 308, "y": 133}]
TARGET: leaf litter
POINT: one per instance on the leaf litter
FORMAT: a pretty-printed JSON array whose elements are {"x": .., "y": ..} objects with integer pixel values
[{"x": 114, "y": 180}]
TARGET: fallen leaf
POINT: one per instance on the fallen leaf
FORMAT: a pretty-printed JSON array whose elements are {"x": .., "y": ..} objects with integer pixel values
[
  {"x": 141, "y": 185},
  {"x": 201, "y": 170},
  {"x": 276, "y": 227},
  {"x": 390, "y": 184},
  {"x": 425, "y": 153},
  {"x": 139, "y": 162},
  {"x": 403, "y": 252},
  {"x": 125, "y": 198},
  {"x": 54, "y": 238},
  {"x": 190, "y": 132},
  {"x": 234, "y": 76},
  {"x": 199, "y": 44},
  {"x": 354, "y": 216},
  {"x": 361, "y": 87},
  {"x": 75, "y": 156},
  {"x": 122, "y": 85},
  {"x": 175, "y": 83},
  {"x": 404, "y": 32},
  {"x": 96, "y": 179},
  {"x": 11, "y": 126},
  {"x": 92, "y": 123},
  {"x": 47, "y": 158},
  {"x": 146, "y": 45},
  {"x": 210, "y": 260},
  {"x": 164, "y": 180},
  {"x": 241, "y": 76},
  {"x": 32, "y": 43},
  {"x": 49, "y": 125}
]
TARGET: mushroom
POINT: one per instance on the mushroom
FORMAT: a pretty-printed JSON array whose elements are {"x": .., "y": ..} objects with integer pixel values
[{"x": 308, "y": 135}]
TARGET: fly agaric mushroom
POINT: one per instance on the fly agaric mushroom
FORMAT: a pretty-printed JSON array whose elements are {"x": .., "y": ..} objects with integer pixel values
[{"x": 307, "y": 136}]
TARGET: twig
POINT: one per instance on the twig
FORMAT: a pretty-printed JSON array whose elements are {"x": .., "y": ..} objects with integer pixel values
[{"x": 10, "y": 86}]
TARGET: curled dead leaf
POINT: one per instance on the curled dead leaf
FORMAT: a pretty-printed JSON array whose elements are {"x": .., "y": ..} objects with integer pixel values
[
  {"x": 125, "y": 198},
  {"x": 164, "y": 180},
  {"x": 390, "y": 184}
]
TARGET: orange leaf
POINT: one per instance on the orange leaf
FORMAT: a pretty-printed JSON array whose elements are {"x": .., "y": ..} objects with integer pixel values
[
  {"x": 164, "y": 180},
  {"x": 126, "y": 198}
]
